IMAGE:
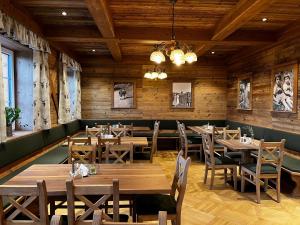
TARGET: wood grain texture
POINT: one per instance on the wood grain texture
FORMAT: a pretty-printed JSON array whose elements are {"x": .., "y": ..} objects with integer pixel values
[
  {"x": 153, "y": 97},
  {"x": 261, "y": 65}
]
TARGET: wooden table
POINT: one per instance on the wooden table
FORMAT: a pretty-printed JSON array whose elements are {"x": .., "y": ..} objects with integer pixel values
[
  {"x": 237, "y": 146},
  {"x": 133, "y": 178},
  {"x": 200, "y": 129}
]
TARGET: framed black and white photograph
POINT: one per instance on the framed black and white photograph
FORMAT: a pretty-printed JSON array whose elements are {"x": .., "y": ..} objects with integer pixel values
[
  {"x": 284, "y": 87},
  {"x": 123, "y": 95},
  {"x": 182, "y": 95},
  {"x": 244, "y": 92}
]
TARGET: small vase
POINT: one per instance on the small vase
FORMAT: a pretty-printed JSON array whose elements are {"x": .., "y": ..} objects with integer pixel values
[{"x": 9, "y": 132}]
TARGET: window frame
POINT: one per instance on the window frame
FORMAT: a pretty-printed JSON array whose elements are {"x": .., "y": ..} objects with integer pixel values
[{"x": 11, "y": 75}]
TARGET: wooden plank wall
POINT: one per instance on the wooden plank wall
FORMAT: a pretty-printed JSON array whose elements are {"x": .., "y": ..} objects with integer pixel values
[
  {"x": 153, "y": 97},
  {"x": 261, "y": 65}
]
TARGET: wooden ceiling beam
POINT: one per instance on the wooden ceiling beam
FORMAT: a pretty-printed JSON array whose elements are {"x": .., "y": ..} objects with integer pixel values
[
  {"x": 102, "y": 17},
  {"x": 244, "y": 11}
]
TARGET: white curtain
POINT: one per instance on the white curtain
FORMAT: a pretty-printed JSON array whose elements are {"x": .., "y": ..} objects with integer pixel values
[
  {"x": 64, "y": 112},
  {"x": 41, "y": 92},
  {"x": 2, "y": 104},
  {"x": 16, "y": 31}
]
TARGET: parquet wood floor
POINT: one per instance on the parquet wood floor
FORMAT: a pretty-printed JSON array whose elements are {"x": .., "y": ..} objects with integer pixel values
[{"x": 223, "y": 205}]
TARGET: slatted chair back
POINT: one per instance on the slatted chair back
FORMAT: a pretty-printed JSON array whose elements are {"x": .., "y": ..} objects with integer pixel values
[
  {"x": 183, "y": 140},
  {"x": 85, "y": 154},
  {"x": 122, "y": 130},
  {"x": 21, "y": 198},
  {"x": 92, "y": 131},
  {"x": 117, "y": 153},
  {"x": 105, "y": 129},
  {"x": 103, "y": 141},
  {"x": 180, "y": 180},
  {"x": 79, "y": 141},
  {"x": 232, "y": 134},
  {"x": 98, "y": 220},
  {"x": 208, "y": 148},
  {"x": 217, "y": 133},
  {"x": 154, "y": 139},
  {"x": 84, "y": 193},
  {"x": 270, "y": 153}
]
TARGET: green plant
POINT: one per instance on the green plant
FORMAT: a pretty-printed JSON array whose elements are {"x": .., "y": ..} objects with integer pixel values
[{"x": 12, "y": 114}]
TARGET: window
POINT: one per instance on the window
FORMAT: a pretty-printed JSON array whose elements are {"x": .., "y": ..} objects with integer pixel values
[
  {"x": 8, "y": 76},
  {"x": 72, "y": 82}
]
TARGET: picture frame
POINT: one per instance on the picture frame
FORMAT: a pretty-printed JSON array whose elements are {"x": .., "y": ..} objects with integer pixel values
[
  {"x": 285, "y": 87},
  {"x": 123, "y": 94},
  {"x": 244, "y": 92},
  {"x": 182, "y": 95}
]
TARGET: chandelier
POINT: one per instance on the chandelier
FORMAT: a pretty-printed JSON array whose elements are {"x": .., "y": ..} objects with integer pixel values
[
  {"x": 178, "y": 53},
  {"x": 155, "y": 74}
]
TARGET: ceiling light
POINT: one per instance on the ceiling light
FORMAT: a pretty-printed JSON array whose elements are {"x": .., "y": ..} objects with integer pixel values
[
  {"x": 93, "y": 50},
  {"x": 64, "y": 13},
  {"x": 155, "y": 74},
  {"x": 178, "y": 53},
  {"x": 264, "y": 19},
  {"x": 212, "y": 52}
]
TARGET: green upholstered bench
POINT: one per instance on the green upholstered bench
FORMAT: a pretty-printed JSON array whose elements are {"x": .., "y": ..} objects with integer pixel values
[{"x": 291, "y": 165}]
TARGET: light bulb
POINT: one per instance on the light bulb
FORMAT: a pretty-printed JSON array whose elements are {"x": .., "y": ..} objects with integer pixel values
[{"x": 157, "y": 57}]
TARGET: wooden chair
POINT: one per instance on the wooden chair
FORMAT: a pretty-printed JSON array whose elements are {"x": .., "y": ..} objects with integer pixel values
[
  {"x": 233, "y": 135},
  {"x": 122, "y": 130},
  {"x": 118, "y": 153},
  {"x": 99, "y": 193},
  {"x": 146, "y": 207},
  {"x": 85, "y": 154},
  {"x": 105, "y": 129},
  {"x": 79, "y": 141},
  {"x": 215, "y": 162},
  {"x": 92, "y": 131},
  {"x": 98, "y": 220},
  {"x": 187, "y": 145},
  {"x": 101, "y": 145},
  {"x": 268, "y": 166},
  {"x": 23, "y": 200},
  {"x": 56, "y": 220},
  {"x": 147, "y": 152},
  {"x": 217, "y": 133}
]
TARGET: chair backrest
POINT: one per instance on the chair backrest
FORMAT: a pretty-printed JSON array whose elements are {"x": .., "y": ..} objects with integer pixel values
[
  {"x": 180, "y": 179},
  {"x": 105, "y": 129},
  {"x": 154, "y": 139},
  {"x": 79, "y": 141},
  {"x": 114, "y": 140},
  {"x": 85, "y": 154},
  {"x": 183, "y": 139},
  {"x": 232, "y": 134},
  {"x": 217, "y": 133},
  {"x": 98, "y": 220},
  {"x": 122, "y": 130},
  {"x": 270, "y": 153},
  {"x": 208, "y": 148},
  {"x": 21, "y": 198},
  {"x": 117, "y": 153},
  {"x": 92, "y": 131},
  {"x": 102, "y": 193}
]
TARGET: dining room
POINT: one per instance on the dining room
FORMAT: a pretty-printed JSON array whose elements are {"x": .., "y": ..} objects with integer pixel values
[{"x": 123, "y": 112}]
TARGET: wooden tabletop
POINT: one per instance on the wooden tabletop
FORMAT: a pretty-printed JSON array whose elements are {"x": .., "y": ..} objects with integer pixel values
[
  {"x": 200, "y": 129},
  {"x": 236, "y": 145},
  {"x": 133, "y": 178}
]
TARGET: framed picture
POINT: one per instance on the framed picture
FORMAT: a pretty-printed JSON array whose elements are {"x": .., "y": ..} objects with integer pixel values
[
  {"x": 285, "y": 87},
  {"x": 182, "y": 95},
  {"x": 244, "y": 92},
  {"x": 123, "y": 96}
]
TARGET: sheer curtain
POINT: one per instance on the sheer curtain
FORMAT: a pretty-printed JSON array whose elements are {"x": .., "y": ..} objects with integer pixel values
[
  {"x": 64, "y": 112},
  {"x": 41, "y": 92},
  {"x": 2, "y": 104}
]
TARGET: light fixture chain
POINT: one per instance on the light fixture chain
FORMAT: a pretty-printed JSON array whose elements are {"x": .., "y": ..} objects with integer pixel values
[{"x": 173, "y": 20}]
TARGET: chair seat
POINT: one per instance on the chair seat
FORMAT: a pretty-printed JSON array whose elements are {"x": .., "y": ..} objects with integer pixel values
[
  {"x": 141, "y": 156},
  {"x": 265, "y": 168},
  {"x": 152, "y": 204},
  {"x": 223, "y": 160}
]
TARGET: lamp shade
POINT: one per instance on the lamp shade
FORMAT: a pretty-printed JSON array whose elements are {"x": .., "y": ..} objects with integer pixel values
[
  {"x": 176, "y": 54},
  {"x": 148, "y": 75},
  {"x": 190, "y": 57},
  {"x": 154, "y": 75},
  {"x": 162, "y": 75},
  {"x": 157, "y": 57}
]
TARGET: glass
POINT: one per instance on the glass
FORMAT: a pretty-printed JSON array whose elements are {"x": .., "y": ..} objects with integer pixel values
[{"x": 93, "y": 169}]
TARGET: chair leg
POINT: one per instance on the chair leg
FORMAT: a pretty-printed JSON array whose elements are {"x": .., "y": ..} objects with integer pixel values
[
  {"x": 265, "y": 185},
  {"x": 212, "y": 178},
  {"x": 205, "y": 174},
  {"x": 257, "y": 184},
  {"x": 178, "y": 219},
  {"x": 225, "y": 176},
  {"x": 242, "y": 181},
  {"x": 278, "y": 189},
  {"x": 234, "y": 174}
]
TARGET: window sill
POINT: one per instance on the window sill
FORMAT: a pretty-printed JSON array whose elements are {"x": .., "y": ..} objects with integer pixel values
[{"x": 19, "y": 133}]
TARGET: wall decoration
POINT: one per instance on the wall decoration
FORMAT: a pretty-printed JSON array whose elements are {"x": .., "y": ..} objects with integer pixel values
[
  {"x": 182, "y": 96},
  {"x": 244, "y": 101},
  {"x": 123, "y": 95},
  {"x": 285, "y": 87}
]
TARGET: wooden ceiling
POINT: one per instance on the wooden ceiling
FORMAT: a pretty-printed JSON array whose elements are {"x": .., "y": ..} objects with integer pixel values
[{"x": 120, "y": 28}]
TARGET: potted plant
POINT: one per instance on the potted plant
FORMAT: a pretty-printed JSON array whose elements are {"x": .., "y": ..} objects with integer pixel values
[{"x": 12, "y": 114}]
